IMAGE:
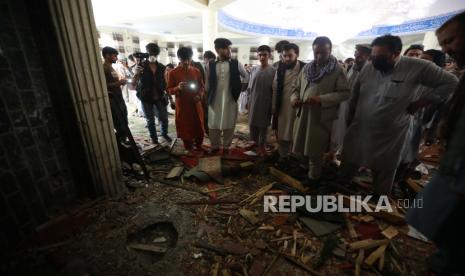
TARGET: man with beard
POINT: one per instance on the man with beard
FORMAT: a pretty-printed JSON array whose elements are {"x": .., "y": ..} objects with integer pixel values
[
  {"x": 317, "y": 92},
  {"x": 387, "y": 90},
  {"x": 226, "y": 78},
  {"x": 283, "y": 113},
  {"x": 279, "y": 48},
  {"x": 440, "y": 218},
  {"x": 361, "y": 54}
]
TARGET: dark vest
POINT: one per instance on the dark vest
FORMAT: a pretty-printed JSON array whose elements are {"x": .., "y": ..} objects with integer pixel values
[{"x": 234, "y": 80}]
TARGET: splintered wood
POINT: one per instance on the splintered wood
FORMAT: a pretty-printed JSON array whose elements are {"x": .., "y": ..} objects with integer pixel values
[
  {"x": 249, "y": 216},
  {"x": 375, "y": 255},
  {"x": 257, "y": 195},
  {"x": 366, "y": 244},
  {"x": 393, "y": 217},
  {"x": 390, "y": 232},
  {"x": 286, "y": 179}
]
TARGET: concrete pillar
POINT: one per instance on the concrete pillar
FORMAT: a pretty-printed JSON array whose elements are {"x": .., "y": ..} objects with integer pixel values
[
  {"x": 209, "y": 29},
  {"x": 430, "y": 41},
  {"x": 77, "y": 37}
]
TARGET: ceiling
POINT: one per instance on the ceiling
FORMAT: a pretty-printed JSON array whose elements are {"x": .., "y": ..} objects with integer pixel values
[{"x": 255, "y": 21}]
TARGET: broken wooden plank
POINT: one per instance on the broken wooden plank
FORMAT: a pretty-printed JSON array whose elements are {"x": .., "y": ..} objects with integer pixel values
[
  {"x": 367, "y": 218},
  {"x": 366, "y": 244},
  {"x": 249, "y": 216},
  {"x": 287, "y": 238},
  {"x": 261, "y": 191},
  {"x": 375, "y": 255},
  {"x": 359, "y": 261},
  {"x": 148, "y": 248},
  {"x": 390, "y": 232},
  {"x": 381, "y": 262},
  {"x": 175, "y": 172},
  {"x": 266, "y": 228},
  {"x": 413, "y": 185},
  {"x": 283, "y": 177},
  {"x": 173, "y": 143},
  {"x": 246, "y": 165},
  {"x": 392, "y": 217}
]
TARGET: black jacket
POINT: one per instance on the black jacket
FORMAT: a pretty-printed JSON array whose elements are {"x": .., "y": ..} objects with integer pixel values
[{"x": 147, "y": 81}]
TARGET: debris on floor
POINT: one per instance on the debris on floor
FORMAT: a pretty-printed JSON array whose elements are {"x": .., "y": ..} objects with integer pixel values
[{"x": 196, "y": 217}]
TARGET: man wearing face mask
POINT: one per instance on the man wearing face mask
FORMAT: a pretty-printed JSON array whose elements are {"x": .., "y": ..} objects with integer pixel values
[
  {"x": 317, "y": 92},
  {"x": 151, "y": 86},
  {"x": 386, "y": 93},
  {"x": 119, "y": 112},
  {"x": 283, "y": 113}
]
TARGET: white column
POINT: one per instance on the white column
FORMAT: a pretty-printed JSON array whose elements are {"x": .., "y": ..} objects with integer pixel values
[
  {"x": 209, "y": 29},
  {"x": 430, "y": 41}
]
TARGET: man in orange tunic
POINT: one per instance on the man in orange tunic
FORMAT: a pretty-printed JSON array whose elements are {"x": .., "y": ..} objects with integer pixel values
[{"x": 185, "y": 82}]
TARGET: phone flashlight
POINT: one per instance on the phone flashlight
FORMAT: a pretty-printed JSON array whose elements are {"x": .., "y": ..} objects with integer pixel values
[{"x": 192, "y": 86}]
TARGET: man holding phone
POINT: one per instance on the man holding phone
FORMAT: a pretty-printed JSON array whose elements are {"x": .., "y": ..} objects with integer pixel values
[{"x": 185, "y": 82}]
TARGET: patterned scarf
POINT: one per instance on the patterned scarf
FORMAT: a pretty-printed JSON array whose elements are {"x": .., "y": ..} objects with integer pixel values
[{"x": 313, "y": 74}]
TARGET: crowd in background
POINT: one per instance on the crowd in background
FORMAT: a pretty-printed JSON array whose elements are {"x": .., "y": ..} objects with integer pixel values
[{"x": 371, "y": 111}]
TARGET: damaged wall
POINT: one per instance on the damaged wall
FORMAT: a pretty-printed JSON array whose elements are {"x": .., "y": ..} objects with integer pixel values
[{"x": 36, "y": 126}]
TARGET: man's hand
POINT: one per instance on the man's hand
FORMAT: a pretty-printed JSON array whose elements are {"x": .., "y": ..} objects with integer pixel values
[
  {"x": 122, "y": 82},
  {"x": 416, "y": 105},
  {"x": 297, "y": 103},
  {"x": 138, "y": 70},
  {"x": 183, "y": 86},
  {"x": 315, "y": 100}
]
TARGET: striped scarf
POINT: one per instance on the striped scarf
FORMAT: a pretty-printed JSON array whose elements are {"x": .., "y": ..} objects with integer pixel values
[{"x": 313, "y": 74}]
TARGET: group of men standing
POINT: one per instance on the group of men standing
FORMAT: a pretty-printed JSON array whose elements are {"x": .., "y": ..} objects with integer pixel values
[
  {"x": 371, "y": 114},
  {"x": 315, "y": 109}
]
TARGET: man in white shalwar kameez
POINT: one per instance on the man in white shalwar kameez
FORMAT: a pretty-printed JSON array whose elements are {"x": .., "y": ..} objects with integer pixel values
[
  {"x": 283, "y": 112},
  {"x": 361, "y": 54},
  {"x": 386, "y": 90},
  {"x": 224, "y": 86},
  {"x": 317, "y": 92}
]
